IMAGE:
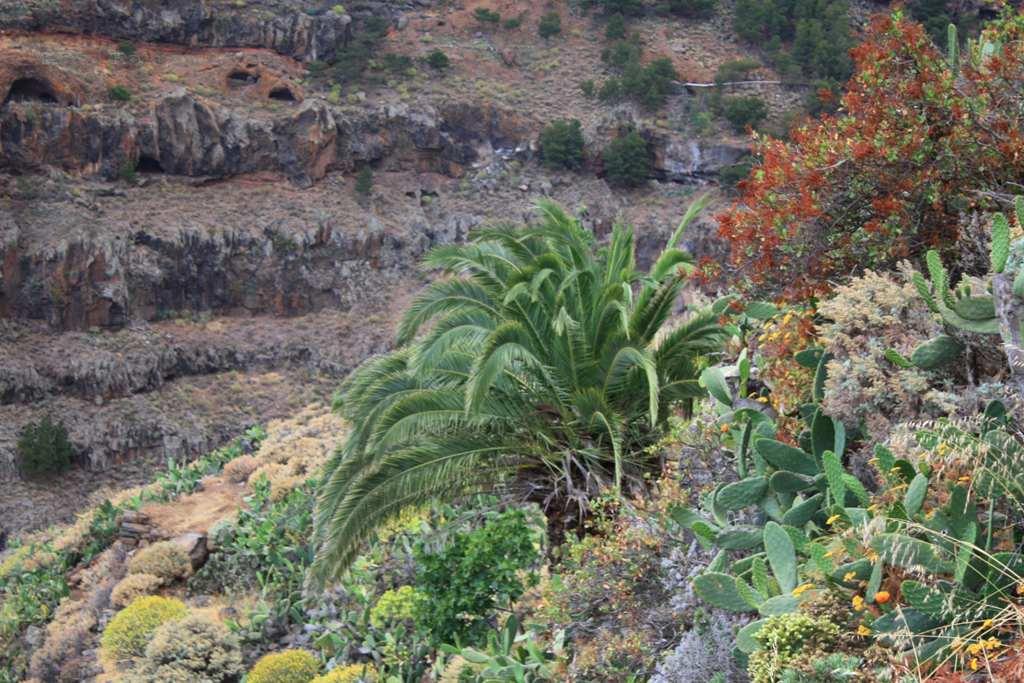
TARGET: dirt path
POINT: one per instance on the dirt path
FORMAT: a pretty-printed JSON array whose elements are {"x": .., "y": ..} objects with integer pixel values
[{"x": 197, "y": 511}]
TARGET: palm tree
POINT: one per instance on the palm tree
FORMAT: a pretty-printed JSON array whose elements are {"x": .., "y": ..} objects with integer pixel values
[{"x": 534, "y": 363}]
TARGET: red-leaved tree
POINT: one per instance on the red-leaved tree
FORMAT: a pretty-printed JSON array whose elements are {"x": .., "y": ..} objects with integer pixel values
[{"x": 915, "y": 143}]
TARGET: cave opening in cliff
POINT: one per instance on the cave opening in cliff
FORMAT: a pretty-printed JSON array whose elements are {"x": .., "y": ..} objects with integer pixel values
[
  {"x": 282, "y": 94},
  {"x": 148, "y": 164},
  {"x": 31, "y": 90},
  {"x": 239, "y": 78}
]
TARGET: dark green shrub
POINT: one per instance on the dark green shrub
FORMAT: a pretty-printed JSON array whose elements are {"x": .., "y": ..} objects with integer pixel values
[
  {"x": 513, "y": 23},
  {"x": 119, "y": 93},
  {"x": 561, "y": 144},
  {"x": 744, "y": 112},
  {"x": 736, "y": 70},
  {"x": 44, "y": 448},
  {"x": 353, "y": 59},
  {"x": 611, "y": 90},
  {"x": 622, "y": 7},
  {"x": 550, "y": 25},
  {"x": 438, "y": 60},
  {"x": 478, "y": 573},
  {"x": 127, "y": 172},
  {"x": 396, "y": 64},
  {"x": 621, "y": 54},
  {"x": 616, "y": 28},
  {"x": 486, "y": 16},
  {"x": 127, "y": 49},
  {"x": 627, "y": 160},
  {"x": 364, "y": 181},
  {"x": 587, "y": 87},
  {"x": 692, "y": 8},
  {"x": 731, "y": 175},
  {"x": 819, "y": 31},
  {"x": 649, "y": 85}
]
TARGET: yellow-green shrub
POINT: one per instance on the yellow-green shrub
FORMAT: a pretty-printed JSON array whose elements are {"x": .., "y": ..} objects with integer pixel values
[
  {"x": 353, "y": 673},
  {"x": 134, "y": 586},
  {"x": 166, "y": 560},
  {"x": 289, "y": 666},
  {"x": 129, "y": 631},
  {"x": 193, "y": 649},
  {"x": 396, "y": 604}
]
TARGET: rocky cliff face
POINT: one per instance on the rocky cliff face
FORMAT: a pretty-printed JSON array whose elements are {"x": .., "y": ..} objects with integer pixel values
[
  {"x": 182, "y": 252},
  {"x": 306, "y": 31}
]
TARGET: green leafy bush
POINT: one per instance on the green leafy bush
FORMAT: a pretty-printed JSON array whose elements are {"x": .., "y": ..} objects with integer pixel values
[
  {"x": 352, "y": 59},
  {"x": 627, "y": 160},
  {"x": 735, "y": 70},
  {"x": 647, "y": 84},
  {"x": 44, "y": 448},
  {"x": 194, "y": 648},
  {"x": 744, "y": 112},
  {"x": 438, "y": 60},
  {"x": 513, "y": 23},
  {"x": 819, "y": 32},
  {"x": 615, "y": 29},
  {"x": 289, "y": 666},
  {"x": 396, "y": 605},
  {"x": 477, "y": 573},
  {"x": 131, "y": 629},
  {"x": 486, "y": 16},
  {"x": 550, "y": 25},
  {"x": 364, "y": 181},
  {"x": 693, "y": 8},
  {"x": 120, "y": 93},
  {"x": 561, "y": 144},
  {"x": 619, "y": 7}
]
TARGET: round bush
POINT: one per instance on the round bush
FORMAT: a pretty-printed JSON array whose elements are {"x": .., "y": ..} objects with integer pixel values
[
  {"x": 627, "y": 160},
  {"x": 195, "y": 648},
  {"x": 130, "y": 630},
  {"x": 289, "y": 666},
  {"x": 44, "y": 448},
  {"x": 134, "y": 586},
  {"x": 353, "y": 673},
  {"x": 166, "y": 560}
]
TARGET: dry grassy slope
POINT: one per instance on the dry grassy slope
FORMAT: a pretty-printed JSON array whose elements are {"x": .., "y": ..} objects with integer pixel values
[{"x": 294, "y": 448}]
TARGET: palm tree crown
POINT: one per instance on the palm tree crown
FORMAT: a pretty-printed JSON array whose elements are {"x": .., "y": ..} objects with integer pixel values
[{"x": 534, "y": 362}]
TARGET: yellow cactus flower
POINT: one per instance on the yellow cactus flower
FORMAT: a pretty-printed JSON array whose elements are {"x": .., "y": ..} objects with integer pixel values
[
  {"x": 801, "y": 589},
  {"x": 863, "y": 630},
  {"x": 849, "y": 576},
  {"x": 858, "y": 603},
  {"x": 833, "y": 519},
  {"x": 973, "y": 664}
]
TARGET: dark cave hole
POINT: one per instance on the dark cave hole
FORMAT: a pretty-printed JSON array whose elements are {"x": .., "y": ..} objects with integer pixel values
[
  {"x": 282, "y": 94},
  {"x": 31, "y": 90},
  {"x": 241, "y": 78},
  {"x": 148, "y": 164}
]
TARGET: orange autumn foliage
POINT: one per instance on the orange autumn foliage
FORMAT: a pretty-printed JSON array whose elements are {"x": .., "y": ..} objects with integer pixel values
[{"x": 914, "y": 144}]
